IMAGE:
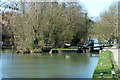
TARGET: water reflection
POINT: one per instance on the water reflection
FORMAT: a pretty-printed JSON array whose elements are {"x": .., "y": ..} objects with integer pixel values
[
  {"x": 67, "y": 57},
  {"x": 46, "y": 66}
]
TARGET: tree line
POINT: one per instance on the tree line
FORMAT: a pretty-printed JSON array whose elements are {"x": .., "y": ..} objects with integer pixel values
[
  {"x": 32, "y": 25},
  {"x": 106, "y": 26}
]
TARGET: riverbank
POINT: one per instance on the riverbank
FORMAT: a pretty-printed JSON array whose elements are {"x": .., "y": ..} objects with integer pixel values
[
  {"x": 105, "y": 65},
  {"x": 69, "y": 49},
  {"x": 59, "y": 50}
]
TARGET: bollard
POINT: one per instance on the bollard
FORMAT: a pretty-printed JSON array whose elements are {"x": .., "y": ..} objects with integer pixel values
[
  {"x": 113, "y": 74},
  {"x": 100, "y": 51},
  {"x": 101, "y": 74}
]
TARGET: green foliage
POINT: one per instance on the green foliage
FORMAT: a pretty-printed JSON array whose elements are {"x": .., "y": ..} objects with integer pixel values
[
  {"x": 48, "y": 23},
  {"x": 107, "y": 25}
]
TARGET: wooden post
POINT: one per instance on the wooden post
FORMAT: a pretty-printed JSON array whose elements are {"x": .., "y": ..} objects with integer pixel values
[
  {"x": 91, "y": 49},
  {"x": 112, "y": 65},
  {"x": 85, "y": 50},
  {"x": 91, "y": 54},
  {"x": 12, "y": 49}
]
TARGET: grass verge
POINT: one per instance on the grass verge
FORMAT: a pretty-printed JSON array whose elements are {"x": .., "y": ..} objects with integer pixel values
[
  {"x": 117, "y": 47},
  {"x": 105, "y": 66},
  {"x": 63, "y": 49}
]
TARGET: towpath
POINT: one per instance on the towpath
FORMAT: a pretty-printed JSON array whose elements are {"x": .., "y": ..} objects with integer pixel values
[{"x": 116, "y": 53}]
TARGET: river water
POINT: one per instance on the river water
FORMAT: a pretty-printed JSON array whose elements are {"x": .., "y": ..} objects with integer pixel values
[{"x": 64, "y": 65}]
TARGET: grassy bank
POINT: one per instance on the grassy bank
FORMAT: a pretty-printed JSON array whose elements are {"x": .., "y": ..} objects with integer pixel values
[
  {"x": 69, "y": 48},
  {"x": 63, "y": 49},
  {"x": 117, "y": 47},
  {"x": 105, "y": 66}
]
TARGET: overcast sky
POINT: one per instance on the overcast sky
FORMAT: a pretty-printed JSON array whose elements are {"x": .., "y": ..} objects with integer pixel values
[{"x": 95, "y": 7}]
